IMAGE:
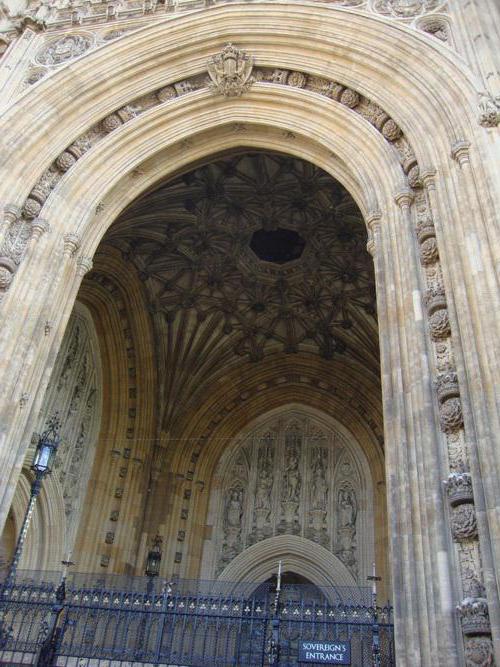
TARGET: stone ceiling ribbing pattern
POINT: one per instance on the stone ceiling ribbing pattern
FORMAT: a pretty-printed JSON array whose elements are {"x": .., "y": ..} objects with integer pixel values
[{"x": 190, "y": 241}]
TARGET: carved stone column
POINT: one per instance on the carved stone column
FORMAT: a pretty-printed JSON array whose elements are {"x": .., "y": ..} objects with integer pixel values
[
  {"x": 434, "y": 572},
  {"x": 468, "y": 509}
]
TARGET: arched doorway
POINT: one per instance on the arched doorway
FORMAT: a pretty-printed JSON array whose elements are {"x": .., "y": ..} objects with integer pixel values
[{"x": 421, "y": 433}]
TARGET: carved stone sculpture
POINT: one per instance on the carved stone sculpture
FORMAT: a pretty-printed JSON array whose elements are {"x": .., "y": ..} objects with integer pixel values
[
  {"x": 447, "y": 385},
  {"x": 489, "y": 110},
  {"x": 347, "y": 511},
  {"x": 473, "y": 612},
  {"x": 63, "y": 49},
  {"x": 479, "y": 652},
  {"x": 451, "y": 416},
  {"x": 439, "y": 325},
  {"x": 463, "y": 522},
  {"x": 459, "y": 488},
  {"x": 230, "y": 71},
  {"x": 319, "y": 490}
]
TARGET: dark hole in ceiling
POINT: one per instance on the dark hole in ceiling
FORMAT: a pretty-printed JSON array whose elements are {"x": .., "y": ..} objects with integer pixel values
[{"x": 278, "y": 245}]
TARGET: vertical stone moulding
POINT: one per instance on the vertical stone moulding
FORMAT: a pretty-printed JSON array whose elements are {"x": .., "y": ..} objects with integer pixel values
[{"x": 473, "y": 608}]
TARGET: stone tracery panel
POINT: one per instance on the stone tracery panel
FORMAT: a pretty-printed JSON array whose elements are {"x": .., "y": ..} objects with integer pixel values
[
  {"x": 292, "y": 475},
  {"x": 75, "y": 392}
]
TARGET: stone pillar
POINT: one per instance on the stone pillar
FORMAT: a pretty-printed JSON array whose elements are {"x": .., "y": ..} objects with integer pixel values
[
  {"x": 422, "y": 562},
  {"x": 470, "y": 478}
]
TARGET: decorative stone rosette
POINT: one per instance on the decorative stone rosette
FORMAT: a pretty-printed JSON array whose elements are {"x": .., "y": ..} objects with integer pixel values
[
  {"x": 464, "y": 522},
  {"x": 450, "y": 406}
]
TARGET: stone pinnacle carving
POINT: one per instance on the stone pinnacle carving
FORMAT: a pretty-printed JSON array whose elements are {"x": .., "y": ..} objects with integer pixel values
[{"x": 230, "y": 71}]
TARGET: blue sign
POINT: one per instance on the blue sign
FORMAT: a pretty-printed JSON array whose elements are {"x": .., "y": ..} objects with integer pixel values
[{"x": 326, "y": 652}]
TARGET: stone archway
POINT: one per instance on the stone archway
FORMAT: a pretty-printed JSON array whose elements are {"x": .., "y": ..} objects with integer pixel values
[
  {"x": 259, "y": 562},
  {"x": 411, "y": 412}
]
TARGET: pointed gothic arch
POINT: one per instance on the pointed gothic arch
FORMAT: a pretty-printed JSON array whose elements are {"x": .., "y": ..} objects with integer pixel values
[{"x": 359, "y": 52}]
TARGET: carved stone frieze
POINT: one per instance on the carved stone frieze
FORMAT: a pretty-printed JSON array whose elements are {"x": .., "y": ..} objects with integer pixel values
[
  {"x": 278, "y": 482},
  {"x": 463, "y": 522},
  {"x": 230, "y": 73},
  {"x": 406, "y": 8},
  {"x": 39, "y": 16}
]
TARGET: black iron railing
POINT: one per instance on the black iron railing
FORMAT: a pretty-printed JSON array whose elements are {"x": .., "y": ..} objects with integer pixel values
[{"x": 90, "y": 620}]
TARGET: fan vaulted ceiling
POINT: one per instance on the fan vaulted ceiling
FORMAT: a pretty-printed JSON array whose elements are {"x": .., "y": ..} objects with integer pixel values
[{"x": 249, "y": 256}]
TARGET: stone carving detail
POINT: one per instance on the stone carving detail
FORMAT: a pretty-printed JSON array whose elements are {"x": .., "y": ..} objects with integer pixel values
[
  {"x": 470, "y": 566},
  {"x": 41, "y": 14},
  {"x": 439, "y": 324},
  {"x": 233, "y": 510},
  {"x": 230, "y": 71},
  {"x": 264, "y": 487},
  {"x": 463, "y": 522},
  {"x": 479, "y": 652},
  {"x": 451, "y": 416},
  {"x": 64, "y": 49},
  {"x": 457, "y": 452},
  {"x": 319, "y": 494},
  {"x": 473, "y": 612},
  {"x": 290, "y": 476},
  {"x": 292, "y": 480},
  {"x": 405, "y": 8},
  {"x": 347, "y": 512},
  {"x": 75, "y": 392},
  {"x": 489, "y": 110},
  {"x": 459, "y": 488}
]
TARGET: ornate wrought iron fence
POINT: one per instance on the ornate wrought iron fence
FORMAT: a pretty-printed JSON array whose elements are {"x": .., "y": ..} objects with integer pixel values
[{"x": 118, "y": 621}]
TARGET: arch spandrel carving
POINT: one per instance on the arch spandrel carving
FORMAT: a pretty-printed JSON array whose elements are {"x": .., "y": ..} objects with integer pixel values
[{"x": 292, "y": 474}]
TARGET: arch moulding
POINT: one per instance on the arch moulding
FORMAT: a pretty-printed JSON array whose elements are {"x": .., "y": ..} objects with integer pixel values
[
  {"x": 259, "y": 562},
  {"x": 359, "y": 52}
]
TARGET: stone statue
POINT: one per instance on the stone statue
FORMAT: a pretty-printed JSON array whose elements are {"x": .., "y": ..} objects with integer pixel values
[
  {"x": 347, "y": 511},
  {"x": 347, "y": 508},
  {"x": 263, "y": 492},
  {"x": 291, "y": 488},
  {"x": 319, "y": 489},
  {"x": 234, "y": 510}
]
